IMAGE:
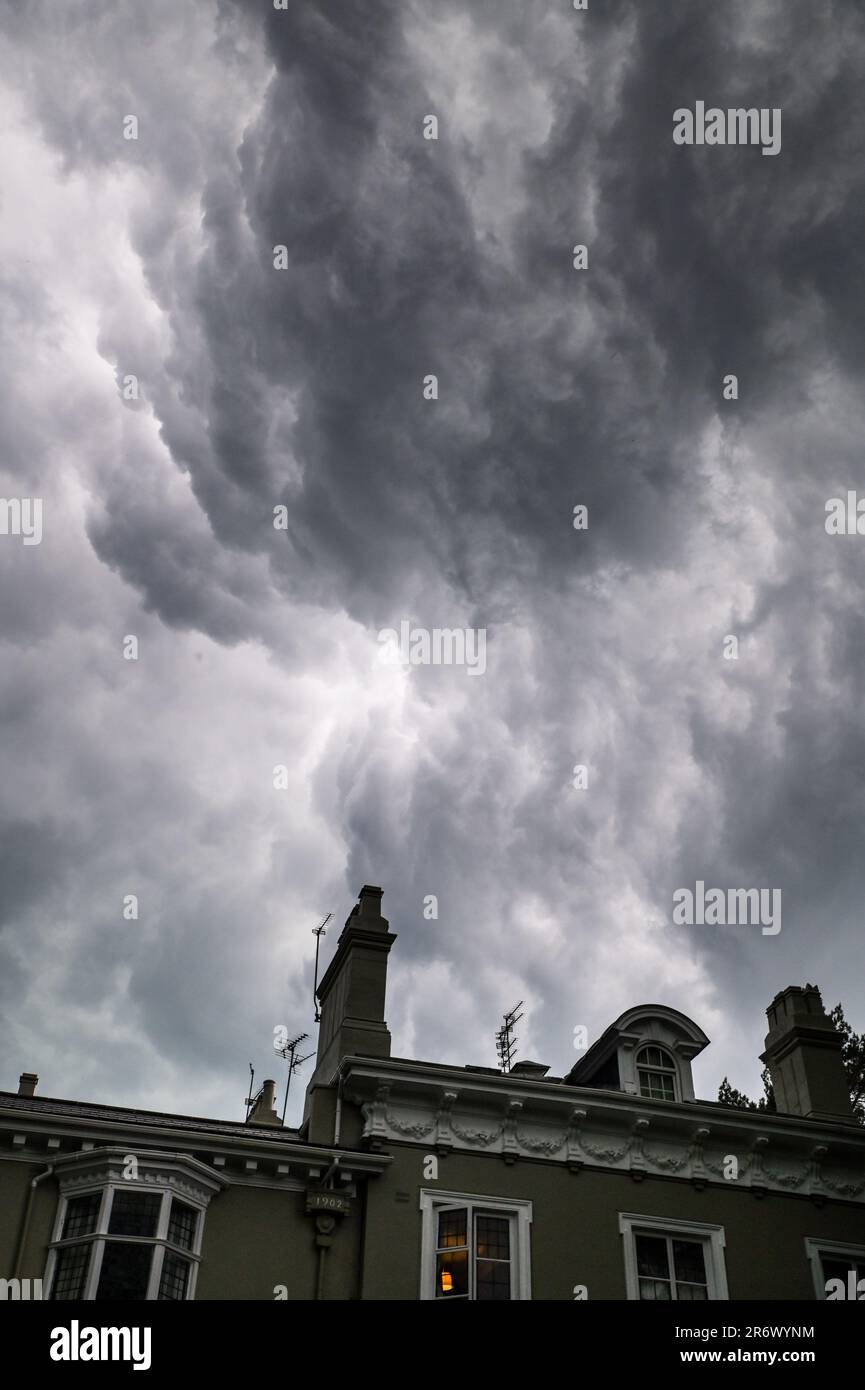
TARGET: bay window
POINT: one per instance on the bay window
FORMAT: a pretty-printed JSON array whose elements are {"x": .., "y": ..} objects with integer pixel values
[{"x": 120, "y": 1239}]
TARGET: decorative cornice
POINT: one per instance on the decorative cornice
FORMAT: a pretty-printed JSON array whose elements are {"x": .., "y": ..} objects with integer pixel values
[{"x": 616, "y": 1133}]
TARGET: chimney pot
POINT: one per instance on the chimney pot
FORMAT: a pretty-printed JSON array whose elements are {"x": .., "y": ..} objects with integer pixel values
[{"x": 264, "y": 1110}]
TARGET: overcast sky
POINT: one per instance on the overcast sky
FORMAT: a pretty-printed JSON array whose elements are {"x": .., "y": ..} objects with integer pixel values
[{"x": 303, "y": 387}]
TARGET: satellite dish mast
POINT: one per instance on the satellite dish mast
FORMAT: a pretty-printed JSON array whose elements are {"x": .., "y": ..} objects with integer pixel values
[
  {"x": 318, "y": 933},
  {"x": 288, "y": 1055},
  {"x": 505, "y": 1041}
]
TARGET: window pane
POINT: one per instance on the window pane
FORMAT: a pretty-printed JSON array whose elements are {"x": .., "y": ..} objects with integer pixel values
[
  {"x": 492, "y": 1238},
  {"x": 654, "y": 1290},
  {"x": 652, "y": 1257},
  {"x": 657, "y": 1085},
  {"x": 689, "y": 1262},
  {"x": 652, "y": 1057},
  {"x": 125, "y": 1271},
  {"x": 70, "y": 1271},
  {"x": 691, "y": 1293},
  {"x": 181, "y": 1227},
  {"x": 453, "y": 1228},
  {"x": 134, "y": 1213},
  {"x": 452, "y": 1274},
  {"x": 81, "y": 1215},
  {"x": 175, "y": 1277},
  {"x": 492, "y": 1279}
]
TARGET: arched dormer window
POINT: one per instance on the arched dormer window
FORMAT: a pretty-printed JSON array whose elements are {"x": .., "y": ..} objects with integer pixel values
[
  {"x": 647, "y": 1052},
  {"x": 656, "y": 1073}
]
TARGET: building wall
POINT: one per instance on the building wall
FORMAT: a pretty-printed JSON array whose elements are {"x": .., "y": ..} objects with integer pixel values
[
  {"x": 255, "y": 1238},
  {"x": 258, "y": 1238},
  {"x": 15, "y": 1179},
  {"x": 575, "y": 1231}
]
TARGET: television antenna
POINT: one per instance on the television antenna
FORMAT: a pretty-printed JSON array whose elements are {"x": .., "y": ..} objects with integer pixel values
[
  {"x": 505, "y": 1041},
  {"x": 249, "y": 1101},
  {"x": 288, "y": 1053},
  {"x": 318, "y": 933}
]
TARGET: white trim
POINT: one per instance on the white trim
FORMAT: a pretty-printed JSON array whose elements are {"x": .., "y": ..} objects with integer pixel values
[
  {"x": 669, "y": 1067},
  {"x": 576, "y": 1127},
  {"x": 678, "y": 1067},
  {"x": 837, "y": 1249},
  {"x": 519, "y": 1209},
  {"x": 712, "y": 1236},
  {"x": 94, "y": 1271},
  {"x": 48, "y": 1273}
]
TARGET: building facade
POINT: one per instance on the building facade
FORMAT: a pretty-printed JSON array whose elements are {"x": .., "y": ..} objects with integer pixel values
[{"x": 414, "y": 1180}]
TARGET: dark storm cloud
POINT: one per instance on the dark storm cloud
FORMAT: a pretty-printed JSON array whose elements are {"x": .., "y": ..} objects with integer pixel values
[
  {"x": 698, "y": 261},
  {"x": 692, "y": 275}
]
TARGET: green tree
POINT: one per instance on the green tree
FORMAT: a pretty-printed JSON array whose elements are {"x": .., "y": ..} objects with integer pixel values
[
  {"x": 728, "y": 1095},
  {"x": 853, "y": 1057}
]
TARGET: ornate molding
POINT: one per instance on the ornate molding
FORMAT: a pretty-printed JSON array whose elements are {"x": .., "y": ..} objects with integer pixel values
[
  {"x": 454, "y": 1120},
  {"x": 163, "y": 1172},
  {"x": 475, "y": 1138},
  {"x": 412, "y": 1131}
]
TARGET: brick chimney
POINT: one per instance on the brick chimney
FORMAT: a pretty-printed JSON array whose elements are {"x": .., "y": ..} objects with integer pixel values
[
  {"x": 351, "y": 995},
  {"x": 803, "y": 1054},
  {"x": 264, "y": 1110},
  {"x": 27, "y": 1083}
]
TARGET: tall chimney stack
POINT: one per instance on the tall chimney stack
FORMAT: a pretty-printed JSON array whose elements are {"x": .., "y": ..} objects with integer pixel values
[
  {"x": 351, "y": 995},
  {"x": 803, "y": 1054}
]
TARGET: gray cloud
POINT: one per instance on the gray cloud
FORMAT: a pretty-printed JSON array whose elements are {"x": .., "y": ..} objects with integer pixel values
[{"x": 406, "y": 257}]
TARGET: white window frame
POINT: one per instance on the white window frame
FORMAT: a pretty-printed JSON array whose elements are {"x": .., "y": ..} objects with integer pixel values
[
  {"x": 432, "y": 1201},
  {"x": 815, "y": 1246},
  {"x": 712, "y": 1237},
  {"x": 669, "y": 1068},
  {"x": 97, "y": 1238}
]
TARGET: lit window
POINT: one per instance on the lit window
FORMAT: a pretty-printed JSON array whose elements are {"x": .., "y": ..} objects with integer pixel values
[
  {"x": 474, "y": 1252},
  {"x": 668, "y": 1260},
  {"x": 474, "y": 1248},
  {"x": 656, "y": 1071}
]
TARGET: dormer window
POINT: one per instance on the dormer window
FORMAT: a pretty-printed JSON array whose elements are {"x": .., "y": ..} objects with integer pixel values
[
  {"x": 656, "y": 1073},
  {"x": 647, "y": 1052}
]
